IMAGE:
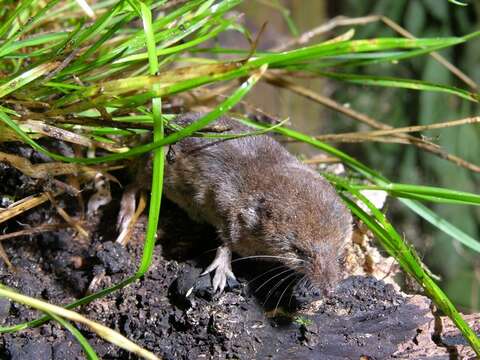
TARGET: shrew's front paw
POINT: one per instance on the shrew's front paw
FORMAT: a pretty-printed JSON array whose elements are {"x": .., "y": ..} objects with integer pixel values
[{"x": 223, "y": 268}]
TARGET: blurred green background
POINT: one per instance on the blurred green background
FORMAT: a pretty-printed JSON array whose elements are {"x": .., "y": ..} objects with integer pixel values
[{"x": 458, "y": 267}]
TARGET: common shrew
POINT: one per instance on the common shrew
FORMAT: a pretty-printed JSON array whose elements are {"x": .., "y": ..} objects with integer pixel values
[{"x": 261, "y": 200}]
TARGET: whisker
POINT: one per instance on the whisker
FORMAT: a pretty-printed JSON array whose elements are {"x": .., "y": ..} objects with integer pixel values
[
  {"x": 210, "y": 250},
  {"x": 309, "y": 285},
  {"x": 303, "y": 278},
  {"x": 273, "y": 277},
  {"x": 266, "y": 272},
  {"x": 283, "y": 293},
  {"x": 276, "y": 286},
  {"x": 268, "y": 257}
]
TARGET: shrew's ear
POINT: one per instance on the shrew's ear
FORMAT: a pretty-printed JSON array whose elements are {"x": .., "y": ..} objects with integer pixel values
[
  {"x": 249, "y": 217},
  {"x": 251, "y": 214}
]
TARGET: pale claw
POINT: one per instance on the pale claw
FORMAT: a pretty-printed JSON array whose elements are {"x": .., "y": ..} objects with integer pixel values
[
  {"x": 127, "y": 210},
  {"x": 223, "y": 268}
]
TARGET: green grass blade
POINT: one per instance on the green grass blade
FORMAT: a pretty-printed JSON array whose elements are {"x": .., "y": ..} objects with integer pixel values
[
  {"x": 156, "y": 192},
  {"x": 35, "y": 41},
  {"x": 393, "y": 59},
  {"x": 427, "y": 198},
  {"x": 158, "y": 154},
  {"x": 348, "y": 47},
  {"x": 456, "y": 2},
  {"x": 25, "y": 78},
  {"x": 87, "y": 348},
  {"x": 401, "y": 83},
  {"x": 150, "y": 37},
  {"x": 430, "y": 193},
  {"x": 442, "y": 224}
]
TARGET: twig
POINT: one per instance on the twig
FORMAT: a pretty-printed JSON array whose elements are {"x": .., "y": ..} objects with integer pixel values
[
  {"x": 85, "y": 121},
  {"x": 33, "y": 230},
  {"x": 326, "y": 27},
  {"x": 4, "y": 257},
  {"x": 323, "y": 100},
  {"x": 63, "y": 64},
  {"x": 23, "y": 205},
  {"x": 68, "y": 219},
  {"x": 406, "y": 129},
  {"x": 314, "y": 160}
]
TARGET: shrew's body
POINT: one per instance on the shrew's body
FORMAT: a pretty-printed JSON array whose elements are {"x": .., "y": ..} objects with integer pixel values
[{"x": 262, "y": 201}]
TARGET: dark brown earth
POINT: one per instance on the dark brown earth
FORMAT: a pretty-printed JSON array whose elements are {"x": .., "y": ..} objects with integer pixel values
[{"x": 364, "y": 317}]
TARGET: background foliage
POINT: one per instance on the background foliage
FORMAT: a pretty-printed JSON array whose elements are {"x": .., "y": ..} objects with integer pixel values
[{"x": 458, "y": 266}]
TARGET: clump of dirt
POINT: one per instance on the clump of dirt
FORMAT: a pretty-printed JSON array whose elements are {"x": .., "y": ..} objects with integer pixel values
[{"x": 171, "y": 310}]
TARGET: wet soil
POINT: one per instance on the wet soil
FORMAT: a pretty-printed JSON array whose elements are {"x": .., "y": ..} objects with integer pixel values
[{"x": 171, "y": 310}]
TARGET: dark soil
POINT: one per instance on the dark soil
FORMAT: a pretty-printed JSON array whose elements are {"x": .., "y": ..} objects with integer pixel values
[{"x": 364, "y": 317}]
